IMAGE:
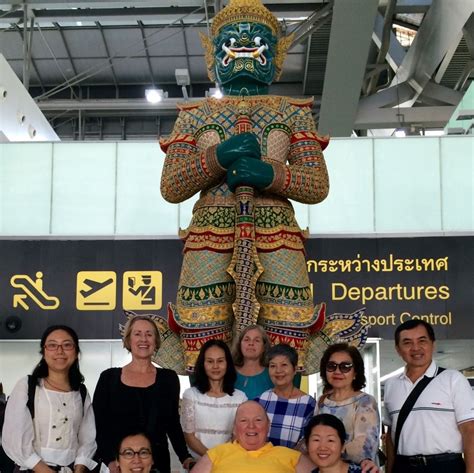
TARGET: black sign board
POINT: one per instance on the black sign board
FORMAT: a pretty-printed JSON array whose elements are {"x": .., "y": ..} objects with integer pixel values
[{"x": 88, "y": 283}]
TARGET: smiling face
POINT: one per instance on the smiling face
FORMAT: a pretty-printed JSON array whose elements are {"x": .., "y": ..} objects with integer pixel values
[
  {"x": 281, "y": 371},
  {"x": 245, "y": 52},
  {"x": 337, "y": 379},
  {"x": 416, "y": 348},
  {"x": 251, "y": 425},
  {"x": 252, "y": 345},
  {"x": 215, "y": 363},
  {"x": 60, "y": 351},
  {"x": 324, "y": 446},
  {"x": 142, "y": 339},
  {"x": 139, "y": 463}
]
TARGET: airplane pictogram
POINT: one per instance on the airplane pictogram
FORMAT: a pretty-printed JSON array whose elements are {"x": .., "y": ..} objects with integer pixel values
[
  {"x": 94, "y": 286},
  {"x": 96, "y": 290},
  {"x": 32, "y": 289}
]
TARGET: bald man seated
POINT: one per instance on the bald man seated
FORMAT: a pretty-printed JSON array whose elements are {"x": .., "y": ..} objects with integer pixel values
[{"x": 250, "y": 452}]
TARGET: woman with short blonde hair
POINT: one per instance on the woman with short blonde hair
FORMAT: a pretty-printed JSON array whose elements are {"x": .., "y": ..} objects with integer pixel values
[{"x": 140, "y": 396}]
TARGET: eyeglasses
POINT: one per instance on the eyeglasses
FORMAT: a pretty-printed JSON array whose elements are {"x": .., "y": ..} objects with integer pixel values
[
  {"x": 143, "y": 453},
  {"x": 66, "y": 346},
  {"x": 344, "y": 366}
]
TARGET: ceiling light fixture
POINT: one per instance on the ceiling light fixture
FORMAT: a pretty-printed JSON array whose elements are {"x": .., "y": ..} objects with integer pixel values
[
  {"x": 155, "y": 95},
  {"x": 215, "y": 92}
]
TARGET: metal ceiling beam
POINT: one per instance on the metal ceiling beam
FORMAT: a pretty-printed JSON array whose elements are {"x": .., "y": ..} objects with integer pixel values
[
  {"x": 166, "y": 106},
  {"x": 384, "y": 44},
  {"x": 106, "y": 46},
  {"x": 66, "y": 47},
  {"x": 434, "y": 117},
  {"x": 412, "y": 6},
  {"x": 440, "y": 94},
  {"x": 448, "y": 57},
  {"x": 444, "y": 20},
  {"x": 469, "y": 35},
  {"x": 145, "y": 44},
  {"x": 18, "y": 29},
  {"x": 349, "y": 45},
  {"x": 27, "y": 43},
  {"x": 427, "y": 117},
  {"x": 306, "y": 62},
  {"x": 159, "y": 14},
  {"x": 387, "y": 98},
  {"x": 467, "y": 72},
  {"x": 312, "y": 23},
  {"x": 396, "y": 52},
  {"x": 188, "y": 64}
]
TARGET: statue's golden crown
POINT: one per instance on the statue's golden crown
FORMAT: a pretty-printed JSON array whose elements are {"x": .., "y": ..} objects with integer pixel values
[{"x": 238, "y": 11}]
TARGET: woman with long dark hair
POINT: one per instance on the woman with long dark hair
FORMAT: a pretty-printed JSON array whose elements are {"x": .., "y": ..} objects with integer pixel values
[
  {"x": 49, "y": 421},
  {"x": 209, "y": 406}
]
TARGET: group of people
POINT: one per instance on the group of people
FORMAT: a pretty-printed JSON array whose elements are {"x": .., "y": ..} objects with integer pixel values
[{"x": 244, "y": 411}]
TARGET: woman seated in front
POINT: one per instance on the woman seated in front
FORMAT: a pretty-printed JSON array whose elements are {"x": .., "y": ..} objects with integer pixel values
[
  {"x": 325, "y": 436},
  {"x": 134, "y": 454},
  {"x": 250, "y": 452}
]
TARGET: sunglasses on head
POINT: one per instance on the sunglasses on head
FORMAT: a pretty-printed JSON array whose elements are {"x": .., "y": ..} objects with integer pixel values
[{"x": 344, "y": 366}]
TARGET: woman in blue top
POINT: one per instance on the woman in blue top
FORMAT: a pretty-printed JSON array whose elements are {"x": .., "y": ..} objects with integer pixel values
[
  {"x": 325, "y": 436},
  {"x": 288, "y": 408},
  {"x": 249, "y": 359}
]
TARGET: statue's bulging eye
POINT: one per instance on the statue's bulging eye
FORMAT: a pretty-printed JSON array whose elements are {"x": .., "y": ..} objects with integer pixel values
[
  {"x": 230, "y": 42},
  {"x": 259, "y": 41}
]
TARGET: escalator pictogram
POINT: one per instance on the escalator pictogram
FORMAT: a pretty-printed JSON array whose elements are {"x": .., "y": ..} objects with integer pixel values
[{"x": 32, "y": 289}]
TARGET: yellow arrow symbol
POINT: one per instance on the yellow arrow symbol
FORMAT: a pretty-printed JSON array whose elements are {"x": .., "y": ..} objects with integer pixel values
[{"x": 18, "y": 300}]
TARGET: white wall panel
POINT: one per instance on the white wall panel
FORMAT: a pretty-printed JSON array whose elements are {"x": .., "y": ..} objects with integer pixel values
[
  {"x": 84, "y": 189},
  {"x": 141, "y": 210},
  {"x": 349, "y": 205},
  {"x": 391, "y": 185},
  {"x": 457, "y": 185},
  {"x": 25, "y": 188},
  {"x": 407, "y": 185}
]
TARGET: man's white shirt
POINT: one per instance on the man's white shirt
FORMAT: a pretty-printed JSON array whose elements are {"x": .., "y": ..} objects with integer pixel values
[{"x": 432, "y": 425}]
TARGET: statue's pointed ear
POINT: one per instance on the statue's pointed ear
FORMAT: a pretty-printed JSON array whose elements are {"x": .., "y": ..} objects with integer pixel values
[
  {"x": 283, "y": 45},
  {"x": 209, "y": 52}
]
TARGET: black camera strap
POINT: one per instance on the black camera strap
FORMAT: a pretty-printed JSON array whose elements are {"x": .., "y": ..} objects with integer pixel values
[{"x": 410, "y": 402}]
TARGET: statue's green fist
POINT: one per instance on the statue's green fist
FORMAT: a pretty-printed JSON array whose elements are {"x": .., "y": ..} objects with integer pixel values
[
  {"x": 249, "y": 172},
  {"x": 236, "y": 147}
]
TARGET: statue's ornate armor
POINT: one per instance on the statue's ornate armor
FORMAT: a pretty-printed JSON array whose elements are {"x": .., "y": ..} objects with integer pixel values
[{"x": 289, "y": 142}]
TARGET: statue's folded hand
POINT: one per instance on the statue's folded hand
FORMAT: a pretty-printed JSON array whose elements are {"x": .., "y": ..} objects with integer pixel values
[
  {"x": 230, "y": 150},
  {"x": 250, "y": 172}
]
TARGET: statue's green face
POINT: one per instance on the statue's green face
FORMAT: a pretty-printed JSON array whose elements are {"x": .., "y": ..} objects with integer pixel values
[{"x": 245, "y": 52}]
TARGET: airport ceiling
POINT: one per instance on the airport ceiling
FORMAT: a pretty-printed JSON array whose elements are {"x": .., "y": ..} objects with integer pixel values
[{"x": 88, "y": 63}]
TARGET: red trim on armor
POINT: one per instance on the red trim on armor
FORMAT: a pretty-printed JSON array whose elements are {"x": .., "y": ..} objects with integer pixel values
[
  {"x": 319, "y": 323},
  {"x": 188, "y": 139},
  {"x": 310, "y": 135}
]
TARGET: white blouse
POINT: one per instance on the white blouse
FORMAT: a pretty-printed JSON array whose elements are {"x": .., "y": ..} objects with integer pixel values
[
  {"x": 211, "y": 419},
  {"x": 62, "y": 432}
]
